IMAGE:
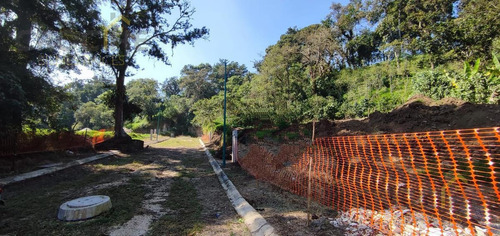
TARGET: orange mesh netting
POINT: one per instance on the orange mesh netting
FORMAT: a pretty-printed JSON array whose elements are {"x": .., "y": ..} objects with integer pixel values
[
  {"x": 25, "y": 143},
  {"x": 396, "y": 183},
  {"x": 99, "y": 138}
]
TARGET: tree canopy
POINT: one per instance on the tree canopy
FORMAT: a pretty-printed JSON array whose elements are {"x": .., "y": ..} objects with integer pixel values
[
  {"x": 152, "y": 19},
  {"x": 365, "y": 56},
  {"x": 31, "y": 33}
]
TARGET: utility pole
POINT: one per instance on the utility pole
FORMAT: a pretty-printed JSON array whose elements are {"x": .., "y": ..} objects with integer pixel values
[{"x": 224, "y": 139}]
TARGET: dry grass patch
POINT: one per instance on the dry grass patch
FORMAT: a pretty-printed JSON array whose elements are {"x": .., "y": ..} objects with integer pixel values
[{"x": 179, "y": 142}]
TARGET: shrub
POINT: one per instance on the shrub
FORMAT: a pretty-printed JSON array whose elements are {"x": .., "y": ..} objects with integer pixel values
[
  {"x": 434, "y": 84},
  {"x": 292, "y": 135},
  {"x": 138, "y": 123},
  {"x": 261, "y": 134}
]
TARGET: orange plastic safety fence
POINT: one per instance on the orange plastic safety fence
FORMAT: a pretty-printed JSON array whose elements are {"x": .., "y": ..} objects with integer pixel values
[
  {"x": 397, "y": 183},
  {"x": 99, "y": 138},
  {"x": 28, "y": 143}
]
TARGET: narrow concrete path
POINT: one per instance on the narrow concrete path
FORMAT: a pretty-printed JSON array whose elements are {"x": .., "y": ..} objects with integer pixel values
[
  {"x": 255, "y": 222},
  {"x": 30, "y": 175}
]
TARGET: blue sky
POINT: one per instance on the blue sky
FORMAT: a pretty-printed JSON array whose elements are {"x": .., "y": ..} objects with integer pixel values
[{"x": 240, "y": 30}]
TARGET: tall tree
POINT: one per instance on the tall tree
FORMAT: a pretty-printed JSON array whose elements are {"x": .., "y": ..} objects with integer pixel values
[
  {"x": 345, "y": 22},
  {"x": 232, "y": 69},
  {"x": 152, "y": 19},
  {"x": 196, "y": 81},
  {"x": 171, "y": 87},
  {"x": 320, "y": 53},
  {"x": 418, "y": 27},
  {"x": 32, "y": 31},
  {"x": 477, "y": 26},
  {"x": 144, "y": 93}
]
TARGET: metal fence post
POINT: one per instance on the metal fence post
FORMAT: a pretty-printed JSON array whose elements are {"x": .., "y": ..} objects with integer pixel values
[{"x": 235, "y": 146}]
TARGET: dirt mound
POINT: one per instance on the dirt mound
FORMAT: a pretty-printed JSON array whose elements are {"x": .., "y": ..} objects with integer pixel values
[
  {"x": 419, "y": 114},
  {"x": 419, "y": 98}
]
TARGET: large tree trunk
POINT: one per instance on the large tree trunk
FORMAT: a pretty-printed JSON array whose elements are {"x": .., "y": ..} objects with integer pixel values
[
  {"x": 120, "y": 98},
  {"x": 120, "y": 80},
  {"x": 23, "y": 33}
]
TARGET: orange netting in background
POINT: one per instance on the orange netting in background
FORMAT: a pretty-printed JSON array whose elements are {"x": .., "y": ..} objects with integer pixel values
[
  {"x": 26, "y": 143},
  {"x": 396, "y": 183},
  {"x": 99, "y": 138}
]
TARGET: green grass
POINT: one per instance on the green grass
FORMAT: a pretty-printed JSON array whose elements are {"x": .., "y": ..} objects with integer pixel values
[
  {"x": 180, "y": 142},
  {"x": 32, "y": 209},
  {"x": 212, "y": 152},
  {"x": 292, "y": 135},
  {"x": 110, "y": 134},
  {"x": 38, "y": 131},
  {"x": 184, "y": 201},
  {"x": 139, "y": 136},
  {"x": 261, "y": 134},
  {"x": 96, "y": 133}
]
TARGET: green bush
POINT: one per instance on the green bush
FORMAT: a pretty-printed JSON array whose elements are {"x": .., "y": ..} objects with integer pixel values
[
  {"x": 138, "y": 123},
  {"x": 476, "y": 86},
  {"x": 138, "y": 135},
  {"x": 37, "y": 131},
  {"x": 292, "y": 135},
  {"x": 261, "y": 134},
  {"x": 434, "y": 84},
  {"x": 307, "y": 132}
]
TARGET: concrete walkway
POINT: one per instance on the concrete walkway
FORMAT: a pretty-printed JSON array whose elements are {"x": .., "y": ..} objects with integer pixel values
[
  {"x": 37, "y": 173},
  {"x": 257, "y": 225}
]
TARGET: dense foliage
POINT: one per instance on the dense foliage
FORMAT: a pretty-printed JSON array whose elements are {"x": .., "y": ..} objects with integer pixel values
[
  {"x": 368, "y": 56},
  {"x": 363, "y": 57},
  {"x": 31, "y": 31}
]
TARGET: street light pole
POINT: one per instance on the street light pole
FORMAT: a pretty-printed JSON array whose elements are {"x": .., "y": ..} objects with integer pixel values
[{"x": 224, "y": 140}]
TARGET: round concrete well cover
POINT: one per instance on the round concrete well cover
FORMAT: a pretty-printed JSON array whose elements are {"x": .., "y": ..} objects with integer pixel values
[
  {"x": 84, "y": 207},
  {"x": 87, "y": 201}
]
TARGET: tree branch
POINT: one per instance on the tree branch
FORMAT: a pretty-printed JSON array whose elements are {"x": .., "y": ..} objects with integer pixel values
[
  {"x": 115, "y": 72},
  {"x": 118, "y": 6},
  {"x": 173, "y": 28}
]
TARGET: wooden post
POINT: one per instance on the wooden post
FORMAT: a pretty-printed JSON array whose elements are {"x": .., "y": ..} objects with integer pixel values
[{"x": 309, "y": 181}]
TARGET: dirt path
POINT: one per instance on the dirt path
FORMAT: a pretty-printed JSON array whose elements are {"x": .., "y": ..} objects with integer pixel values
[
  {"x": 285, "y": 211},
  {"x": 172, "y": 207},
  {"x": 164, "y": 190}
]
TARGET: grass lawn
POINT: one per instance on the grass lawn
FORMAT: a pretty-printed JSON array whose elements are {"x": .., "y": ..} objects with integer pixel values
[
  {"x": 175, "y": 170},
  {"x": 180, "y": 142},
  {"x": 31, "y": 207}
]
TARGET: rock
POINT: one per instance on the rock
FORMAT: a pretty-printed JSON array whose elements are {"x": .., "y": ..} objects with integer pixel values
[
  {"x": 480, "y": 231},
  {"x": 434, "y": 231},
  {"x": 318, "y": 222}
]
